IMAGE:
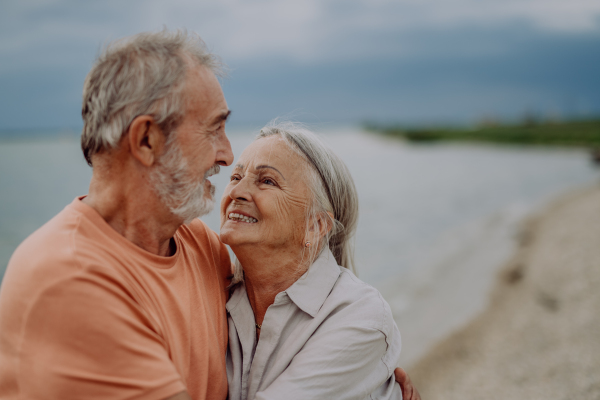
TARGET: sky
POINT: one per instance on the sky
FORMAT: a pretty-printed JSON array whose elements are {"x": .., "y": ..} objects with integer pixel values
[{"x": 323, "y": 61}]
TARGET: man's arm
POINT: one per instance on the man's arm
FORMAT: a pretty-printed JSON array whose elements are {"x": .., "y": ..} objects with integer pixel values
[{"x": 409, "y": 392}]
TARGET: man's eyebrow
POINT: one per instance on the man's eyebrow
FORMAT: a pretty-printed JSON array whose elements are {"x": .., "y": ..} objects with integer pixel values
[
  {"x": 222, "y": 117},
  {"x": 270, "y": 167}
]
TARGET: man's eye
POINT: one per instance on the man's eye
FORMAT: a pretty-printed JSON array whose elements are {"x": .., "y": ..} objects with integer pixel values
[{"x": 216, "y": 131}]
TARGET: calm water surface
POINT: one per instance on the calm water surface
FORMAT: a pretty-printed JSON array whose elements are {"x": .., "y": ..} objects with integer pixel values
[
  {"x": 425, "y": 209},
  {"x": 411, "y": 196}
]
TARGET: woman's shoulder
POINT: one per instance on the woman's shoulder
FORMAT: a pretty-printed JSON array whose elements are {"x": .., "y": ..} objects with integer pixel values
[
  {"x": 351, "y": 288},
  {"x": 358, "y": 303},
  {"x": 356, "y": 311}
]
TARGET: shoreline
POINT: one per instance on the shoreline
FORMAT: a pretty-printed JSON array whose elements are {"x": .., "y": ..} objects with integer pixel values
[
  {"x": 531, "y": 131},
  {"x": 452, "y": 285},
  {"x": 538, "y": 336}
]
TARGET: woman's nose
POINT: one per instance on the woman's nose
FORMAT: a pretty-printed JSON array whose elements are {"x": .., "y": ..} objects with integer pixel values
[{"x": 242, "y": 190}]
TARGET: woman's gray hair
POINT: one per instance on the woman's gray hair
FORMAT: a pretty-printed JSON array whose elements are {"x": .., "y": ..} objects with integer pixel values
[
  {"x": 140, "y": 75},
  {"x": 332, "y": 190}
]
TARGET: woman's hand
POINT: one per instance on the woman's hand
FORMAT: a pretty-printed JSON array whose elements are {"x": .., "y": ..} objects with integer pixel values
[{"x": 409, "y": 392}]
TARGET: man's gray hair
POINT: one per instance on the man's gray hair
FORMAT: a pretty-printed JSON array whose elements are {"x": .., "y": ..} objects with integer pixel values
[
  {"x": 139, "y": 75},
  {"x": 332, "y": 188}
]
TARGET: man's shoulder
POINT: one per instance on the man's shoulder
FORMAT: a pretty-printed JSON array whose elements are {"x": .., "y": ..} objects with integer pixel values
[
  {"x": 46, "y": 259},
  {"x": 198, "y": 235},
  {"x": 199, "y": 238},
  {"x": 199, "y": 231},
  {"x": 61, "y": 247},
  {"x": 52, "y": 243}
]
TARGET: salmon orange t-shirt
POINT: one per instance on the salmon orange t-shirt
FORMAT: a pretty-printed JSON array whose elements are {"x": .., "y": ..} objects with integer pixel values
[{"x": 86, "y": 314}]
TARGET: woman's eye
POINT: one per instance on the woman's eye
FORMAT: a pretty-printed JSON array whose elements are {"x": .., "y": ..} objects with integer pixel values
[
  {"x": 269, "y": 181},
  {"x": 234, "y": 178}
]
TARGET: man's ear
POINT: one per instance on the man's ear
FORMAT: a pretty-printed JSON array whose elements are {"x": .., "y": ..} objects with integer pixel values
[{"x": 146, "y": 140}]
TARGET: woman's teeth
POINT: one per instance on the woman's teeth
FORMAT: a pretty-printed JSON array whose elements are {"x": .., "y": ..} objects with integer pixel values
[{"x": 243, "y": 218}]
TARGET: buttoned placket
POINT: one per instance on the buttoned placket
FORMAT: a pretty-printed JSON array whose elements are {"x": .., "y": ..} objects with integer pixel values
[
  {"x": 306, "y": 295},
  {"x": 276, "y": 318},
  {"x": 242, "y": 317}
]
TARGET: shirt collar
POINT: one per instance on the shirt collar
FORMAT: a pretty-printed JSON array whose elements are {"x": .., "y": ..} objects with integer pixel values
[
  {"x": 308, "y": 293},
  {"x": 239, "y": 293},
  {"x": 311, "y": 290}
]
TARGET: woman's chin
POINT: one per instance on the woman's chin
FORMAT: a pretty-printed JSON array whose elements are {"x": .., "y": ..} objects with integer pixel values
[
  {"x": 225, "y": 235},
  {"x": 231, "y": 236}
]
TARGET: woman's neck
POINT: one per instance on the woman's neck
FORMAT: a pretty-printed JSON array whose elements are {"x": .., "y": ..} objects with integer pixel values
[{"x": 267, "y": 273}]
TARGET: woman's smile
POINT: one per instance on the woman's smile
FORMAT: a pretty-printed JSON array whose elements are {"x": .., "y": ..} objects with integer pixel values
[{"x": 241, "y": 218}]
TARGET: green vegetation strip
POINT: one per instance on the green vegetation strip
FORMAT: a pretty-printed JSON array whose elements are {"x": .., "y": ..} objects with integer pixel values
[{"x": 568, "y": 133}]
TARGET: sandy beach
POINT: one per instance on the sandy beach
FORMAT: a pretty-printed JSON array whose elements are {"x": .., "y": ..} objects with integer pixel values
[{"x": 539, "y": 338}]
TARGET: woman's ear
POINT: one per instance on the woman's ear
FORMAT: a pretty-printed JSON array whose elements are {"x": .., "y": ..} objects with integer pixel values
[{"x": 323, "y": 225}]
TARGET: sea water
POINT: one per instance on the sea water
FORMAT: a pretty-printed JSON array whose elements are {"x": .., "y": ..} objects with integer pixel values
[{"x": 436, "y": 220}]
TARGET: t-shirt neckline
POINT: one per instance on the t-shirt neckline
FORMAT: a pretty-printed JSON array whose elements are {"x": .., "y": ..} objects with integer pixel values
[{"x": 96, "y": 219}]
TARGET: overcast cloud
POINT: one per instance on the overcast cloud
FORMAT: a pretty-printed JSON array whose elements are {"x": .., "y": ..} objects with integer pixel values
[{"x": 337, "y": 61}]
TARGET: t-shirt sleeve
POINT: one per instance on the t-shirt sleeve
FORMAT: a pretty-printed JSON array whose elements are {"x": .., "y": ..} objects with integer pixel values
[{"x": 87, "y": 337}]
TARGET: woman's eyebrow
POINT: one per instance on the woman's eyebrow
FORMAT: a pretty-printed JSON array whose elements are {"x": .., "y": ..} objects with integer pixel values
[{"x": 268, "y": 166}]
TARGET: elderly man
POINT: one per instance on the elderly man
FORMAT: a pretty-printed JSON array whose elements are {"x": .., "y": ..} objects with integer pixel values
[
  {"x": 116, "y": 297},
  {"x": 122, "y": 294}
]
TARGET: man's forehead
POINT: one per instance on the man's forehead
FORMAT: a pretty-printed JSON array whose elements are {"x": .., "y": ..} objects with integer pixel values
[{"x": 201, "y": 84}]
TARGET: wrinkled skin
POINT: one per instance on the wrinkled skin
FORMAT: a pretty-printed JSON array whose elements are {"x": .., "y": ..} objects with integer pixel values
[
  {"x": 201, "y": 134},
  {"x": 268, "y": 184}
]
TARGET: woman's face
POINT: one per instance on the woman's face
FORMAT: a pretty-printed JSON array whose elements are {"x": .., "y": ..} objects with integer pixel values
[{"x": 265, "y": 202}]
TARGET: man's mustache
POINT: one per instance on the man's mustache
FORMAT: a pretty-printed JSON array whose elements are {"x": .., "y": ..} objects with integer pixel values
[{"x": 214, "y": 170}]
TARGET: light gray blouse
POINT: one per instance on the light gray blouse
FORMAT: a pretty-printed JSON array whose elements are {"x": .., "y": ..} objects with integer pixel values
[{"x": 328, "y": 336}]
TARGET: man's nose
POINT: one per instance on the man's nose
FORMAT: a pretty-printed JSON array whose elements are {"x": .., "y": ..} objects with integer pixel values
[{"x": 224, "y": 152}]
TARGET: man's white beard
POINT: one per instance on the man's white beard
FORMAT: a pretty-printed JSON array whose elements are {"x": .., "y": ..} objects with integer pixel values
[{"x": 177, "y": 188}]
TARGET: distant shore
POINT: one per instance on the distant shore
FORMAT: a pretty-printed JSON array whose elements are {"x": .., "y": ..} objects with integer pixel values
[
  {"x": 539, "y": 337},
  {"x": 580, "y": 133}
]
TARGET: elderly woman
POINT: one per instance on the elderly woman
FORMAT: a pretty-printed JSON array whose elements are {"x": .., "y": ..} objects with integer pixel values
[{"x": 301, "y": 325}]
